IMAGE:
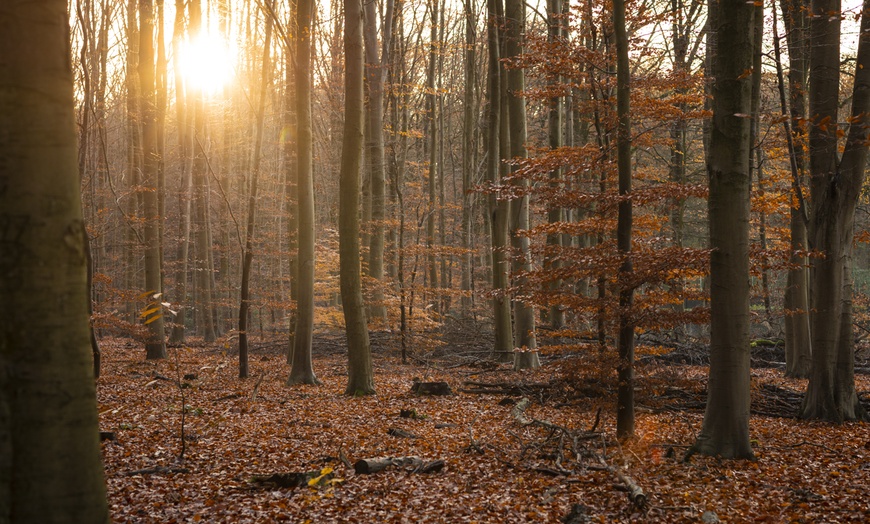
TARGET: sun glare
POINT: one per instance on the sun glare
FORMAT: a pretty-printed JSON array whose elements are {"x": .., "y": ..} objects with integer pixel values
[{"x": 206, "y": 63}]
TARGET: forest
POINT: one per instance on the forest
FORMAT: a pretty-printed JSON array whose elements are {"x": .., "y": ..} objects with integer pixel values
[{"x": 434, "y": 261}]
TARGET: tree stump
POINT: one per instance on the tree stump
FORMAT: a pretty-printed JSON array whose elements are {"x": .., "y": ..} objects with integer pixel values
[{"x": 431, "y": 388}]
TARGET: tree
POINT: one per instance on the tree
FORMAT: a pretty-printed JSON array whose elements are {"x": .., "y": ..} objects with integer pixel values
[
  {"x": 835, "y": 187},
  {"x": 360, "y": 380},
  {"x": 725, "y": 431},
  {"x": 499, "y": 208},
  {"x": 155, "y": 346},
  {"x": 625, "y": 342},
  {"x": 50, "y": 468},
  {"x": 248, "y": 254},
  {"x": 796, "y": 300},
  {"x": 302, "y": 371},
  {"x": 524, "y": 314}
]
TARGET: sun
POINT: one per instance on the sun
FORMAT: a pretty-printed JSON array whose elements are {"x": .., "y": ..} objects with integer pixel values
[{"x": 206, "y": 63}]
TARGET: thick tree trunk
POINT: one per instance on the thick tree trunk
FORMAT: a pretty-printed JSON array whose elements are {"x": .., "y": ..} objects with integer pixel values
[
  {"x": 499, "y": 211},
  {"x": 155, "y": 345},
  {"x": 360, "y": 380},
  {"x": 725, "y": 431},
  {"x": 524, "y": 314},
  {"x": 50, "y": 468},
  {"x": 302, "y": 371},
  {"x": 835, "y": 188}
]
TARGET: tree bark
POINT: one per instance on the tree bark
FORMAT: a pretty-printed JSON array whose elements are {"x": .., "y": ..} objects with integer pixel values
[
  {"x": 835, "y": 189},
  {"x": 50, "y": 467},
  {"x": 524, "y": 314},
  {"x": 302, "y": 371},
  {"x": 625, "y": 342},
  {"x": 725, "y": 431},
  {"x": 498, "y": 209},
  {"x": 360, "y": 380},
  {"x": 798, "y": 340},
  {"x": 248, "y": 255},
  {"x": 155, "y": 345}
]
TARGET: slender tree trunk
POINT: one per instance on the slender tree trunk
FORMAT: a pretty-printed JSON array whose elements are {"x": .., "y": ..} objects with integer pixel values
[
  {"x": 375, "y": 146},
  {"x": 248, "y": 255},
  {"x": 468, "y": 156},
  {"x": 185, "y": 147},
  {"x": 555, "y": 214},
  {"x": 302, "y": 371},
  {"x": 835, "y": 188},
  {"x": 155, "y": 346},
  {"x": 431, "y": 152},
  {"x": 725, "y": 431},
  {"x": 360, "y": 380},
  {"x": 50, "y": 468},
  {"x": 796, "y": 301},
  {"x": 625, "y": 343}
]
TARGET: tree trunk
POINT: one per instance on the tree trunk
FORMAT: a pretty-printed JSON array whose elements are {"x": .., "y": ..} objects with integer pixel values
[
  {"x": 798, "y": 348},
  {"x": 625, "y": 343},
  {"x": 203, "y": 266},
  {"x": 248, "y": 255},
  {"x": 835, "y": 188},
  {"x": 50, "y": 467},
  {"x": 524, "y": 314},
  {"x": 555, "y": 214},
  {"x": 725, "y": 431},
  {"x": 375, "y": 147},
  {"x": 155, "y": 346},
  {"x": 498, "y": 210},
  {"x": 185, "y": 146},
  {"x": 302, "y": 371},
  {"x": 468, "y": 155},
  {"x": 360, "y": 380}
]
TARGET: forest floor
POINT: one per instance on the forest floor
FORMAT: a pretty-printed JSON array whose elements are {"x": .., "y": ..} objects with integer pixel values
[{"x": 500, "y": 464}]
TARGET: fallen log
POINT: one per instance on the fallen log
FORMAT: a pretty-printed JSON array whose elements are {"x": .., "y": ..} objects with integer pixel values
[
  {"x": 285, "y": 480},
  {"x": 634, "y": 491},
  {"x": 374, "y": 465}
]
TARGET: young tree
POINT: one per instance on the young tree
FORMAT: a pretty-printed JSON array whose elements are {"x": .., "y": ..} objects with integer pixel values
[
  {"x": 248, "y": 254},
  {"x": 725, "y": 431},
  {"x": 625, "y": 342},
  {"x": 302, "y": 371},
  {"x": 360, "y": 380},
  {"x": 50, "y": 468},
  {"x": 835, "y": 187}
]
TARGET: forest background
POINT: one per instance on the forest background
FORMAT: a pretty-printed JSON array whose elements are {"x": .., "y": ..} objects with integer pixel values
[{"x": 504, "y": 186}]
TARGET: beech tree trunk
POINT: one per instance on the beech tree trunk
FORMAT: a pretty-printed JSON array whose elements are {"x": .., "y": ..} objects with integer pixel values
[
  {"x": 375, "y": 146},
  {"x": 625, "y": 342},
  {"x": 796, "y": 302},
  {"x": 835, "y": 188},
  {"x": 524, "y": 314},
  {"x": 499, "y": 210},
  {"x": 50, "y": 467},
  {"x": 360, "y": 380},
  {"x": 248, "y": 255},
  {"x": 725, "y": 431},
  {"x": 302, "y": 371},
  {"x": 555, "y": 215},
  {"x": 468, "y": 156},
  {"x": 155, "y": 346}
]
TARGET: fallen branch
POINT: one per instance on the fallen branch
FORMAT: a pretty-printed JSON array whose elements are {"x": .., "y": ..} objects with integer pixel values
[
  {"x": 634, "y": 491},
  {"x": 157, "y": 470}
]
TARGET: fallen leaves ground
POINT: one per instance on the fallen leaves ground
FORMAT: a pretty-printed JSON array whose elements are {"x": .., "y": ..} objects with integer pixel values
[{"x": 805, "y": 472}]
